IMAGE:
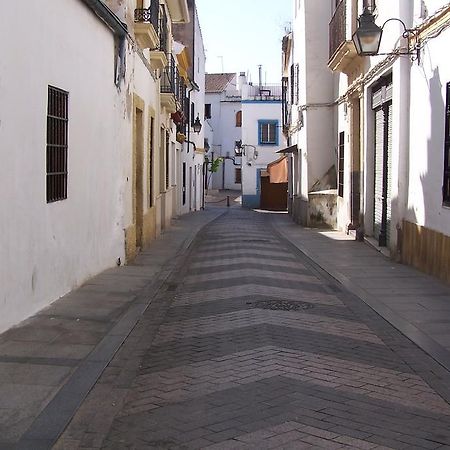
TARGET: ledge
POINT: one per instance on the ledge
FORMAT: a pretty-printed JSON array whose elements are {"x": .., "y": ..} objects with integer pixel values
[
  {"x": 343, "y": 57},
  {"x": 146, "y": 35},
  {"x": 158, "y": 59}
]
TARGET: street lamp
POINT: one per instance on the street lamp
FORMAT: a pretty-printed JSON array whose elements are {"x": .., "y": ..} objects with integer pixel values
[
  {"x": 197, "y": 126},
  {"x": 367, "y": 37}
]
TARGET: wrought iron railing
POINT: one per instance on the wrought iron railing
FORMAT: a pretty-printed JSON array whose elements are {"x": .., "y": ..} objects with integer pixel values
[
  {"x": 157, "y": 17},
  {"x": 337, "y": 28},
  {"x": 170, "y": 83},
  {"x": 285, "y": 106},
  {"x": 162, "y": 32},
  {"x": 148, "y": 15}
]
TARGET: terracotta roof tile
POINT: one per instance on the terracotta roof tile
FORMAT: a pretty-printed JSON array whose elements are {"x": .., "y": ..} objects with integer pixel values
[{"x": 218, "y": 82}]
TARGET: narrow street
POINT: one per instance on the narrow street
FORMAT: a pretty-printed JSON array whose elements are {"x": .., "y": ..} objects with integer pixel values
[{"x": 248, "y": 345}]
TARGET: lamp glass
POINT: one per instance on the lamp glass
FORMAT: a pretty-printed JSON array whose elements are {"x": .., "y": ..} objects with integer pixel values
[
  {"x": 367, "y": 37},
  {"x": 197, "y": 127}
]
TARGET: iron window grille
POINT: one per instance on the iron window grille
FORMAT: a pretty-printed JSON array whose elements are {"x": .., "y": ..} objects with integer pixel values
[
  {"x": 57, "y": 144},
  {"x": 341, "y": 149},
  {"x": 238, "y": 175},
  {"x": 446, "y": 184},
  {"x": 167, "y": 149}
]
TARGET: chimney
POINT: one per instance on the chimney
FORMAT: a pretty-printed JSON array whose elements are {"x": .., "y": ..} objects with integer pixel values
[{"x": 242, "y": 81}]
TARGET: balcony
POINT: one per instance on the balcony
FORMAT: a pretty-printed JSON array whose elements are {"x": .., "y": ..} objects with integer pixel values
[
  {"x": 170, "y": 86},
  {"x": 146, "y": 25},
  {"x": 158, "y": 58},
  {"x": 342, "y": 51}
]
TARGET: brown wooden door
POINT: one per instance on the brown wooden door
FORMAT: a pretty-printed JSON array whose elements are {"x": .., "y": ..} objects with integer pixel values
[{"x": 273, "y": 195}]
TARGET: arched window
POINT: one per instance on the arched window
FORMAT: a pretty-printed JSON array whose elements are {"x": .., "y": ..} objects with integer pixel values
[{"x": 239, "y": 119}]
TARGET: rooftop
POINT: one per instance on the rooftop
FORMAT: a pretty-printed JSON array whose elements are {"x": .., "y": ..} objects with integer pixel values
[{"x": 218, "y": 82}]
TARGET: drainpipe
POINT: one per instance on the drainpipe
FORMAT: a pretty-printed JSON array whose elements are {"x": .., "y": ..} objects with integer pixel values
[{"x": 194, "y": 87}]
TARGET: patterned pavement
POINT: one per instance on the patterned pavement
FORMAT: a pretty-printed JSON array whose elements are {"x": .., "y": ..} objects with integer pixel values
[{"x": 250, "y": 347}]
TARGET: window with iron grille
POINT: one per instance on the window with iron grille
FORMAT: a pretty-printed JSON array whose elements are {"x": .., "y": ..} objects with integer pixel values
[
  {"x": 296, "y": 84},
  {"x": 341, "y": 148},
  {"x": 57, "y": 143},
  {"x": 446, "y": 185},
  {"x": 267, "y": 132},
  {"x": 150, "y": 161},
  {"x": 167, "y": 160},
  {"x": 238, "y": 175}
]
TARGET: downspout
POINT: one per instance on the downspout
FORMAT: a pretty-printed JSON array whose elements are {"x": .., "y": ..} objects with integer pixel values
[{"x": 194, "y": 87}]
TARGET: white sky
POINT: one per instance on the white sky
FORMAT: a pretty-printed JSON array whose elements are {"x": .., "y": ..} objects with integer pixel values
[{"x": 240, "y": 34}]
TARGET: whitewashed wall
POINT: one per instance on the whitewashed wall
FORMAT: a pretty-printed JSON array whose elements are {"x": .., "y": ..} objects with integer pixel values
[
  {"x": 427, "y": 110},
  {"x": 48, "y": 249},
  {"x": 258, "y": 158}
]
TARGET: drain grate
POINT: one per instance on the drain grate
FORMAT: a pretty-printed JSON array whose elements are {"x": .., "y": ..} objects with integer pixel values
[{"x": 281, "y": 305}]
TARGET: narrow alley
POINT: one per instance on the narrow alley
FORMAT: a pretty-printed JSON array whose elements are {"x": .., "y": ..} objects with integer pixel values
[{"x": 248, "y": 345}]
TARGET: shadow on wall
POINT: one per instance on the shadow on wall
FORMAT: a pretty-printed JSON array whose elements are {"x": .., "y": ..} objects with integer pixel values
[{"x": 421, "y": 246}]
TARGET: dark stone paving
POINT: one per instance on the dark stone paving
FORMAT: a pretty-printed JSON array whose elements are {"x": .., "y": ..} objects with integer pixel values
[{"x": 251, "y": 346}]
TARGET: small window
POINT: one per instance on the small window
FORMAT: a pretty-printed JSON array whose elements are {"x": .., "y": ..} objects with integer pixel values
[
  {"x": 341, "y": 149},
  {"x": 239, "y": 119},
  {"x": 238, "y": 175},
  {"x": 57, "y": 144},
  {"x": 446, "y": 184},
  {"x": 267, "y": 132},
  {"x": 208, "y": 111}
]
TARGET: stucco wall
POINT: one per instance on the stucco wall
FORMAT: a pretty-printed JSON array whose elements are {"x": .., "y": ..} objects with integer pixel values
[
  {"x": 257, "y": 159},
  {"x": 428, "y": 85},
  {"x": 47, "y": 249}
]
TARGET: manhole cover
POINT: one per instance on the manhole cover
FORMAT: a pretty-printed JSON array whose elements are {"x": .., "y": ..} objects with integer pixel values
[{"x": 281, "y": 305}]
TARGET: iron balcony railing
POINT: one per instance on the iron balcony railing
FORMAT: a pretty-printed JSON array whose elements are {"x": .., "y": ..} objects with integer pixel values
[
  {"x": 162, "y": 32},
  {"x": 265, "y": 92},
  {"x": 285, "y": 105},
  {"x": 170, "y": 79},
  {"x": 157, "y": 17},
  {"x": 148, "y": 15},
  {"x": 337, "y": 28}
]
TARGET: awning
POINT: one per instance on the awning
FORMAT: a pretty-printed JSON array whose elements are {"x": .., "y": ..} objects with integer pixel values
[
  {"x": 291, "y": 149},
  {"x": 278, "y": 170}
]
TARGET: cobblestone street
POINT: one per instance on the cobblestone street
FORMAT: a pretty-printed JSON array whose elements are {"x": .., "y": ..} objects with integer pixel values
[{"x": 249, "y": 346}]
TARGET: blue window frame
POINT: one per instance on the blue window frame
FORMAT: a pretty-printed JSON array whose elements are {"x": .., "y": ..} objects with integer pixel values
[{"x": 267, "y": 132}]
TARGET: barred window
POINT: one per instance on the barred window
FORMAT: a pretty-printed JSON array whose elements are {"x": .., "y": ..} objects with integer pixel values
[
  {"x": 341, "y": 149},
  {"x": 57, "y": 144},
  {"x": 238, "y": 175}
]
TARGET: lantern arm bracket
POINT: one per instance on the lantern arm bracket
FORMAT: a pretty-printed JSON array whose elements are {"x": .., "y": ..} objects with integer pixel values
[{"x": 408, "y": 34}]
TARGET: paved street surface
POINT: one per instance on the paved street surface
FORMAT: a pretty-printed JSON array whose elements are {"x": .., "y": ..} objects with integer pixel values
[{"x": 249, "y": 344}]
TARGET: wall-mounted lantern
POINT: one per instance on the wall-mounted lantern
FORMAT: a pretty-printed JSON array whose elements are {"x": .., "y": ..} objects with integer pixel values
[
  {"x": 367, "y": 37},
  {"x": 197, "y": 125}
]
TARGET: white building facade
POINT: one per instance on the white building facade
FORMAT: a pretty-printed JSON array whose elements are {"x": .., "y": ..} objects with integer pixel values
[
  {"x": 93, "y": 178},
  {"x": 246, "y": 124},
  {"x": 389, "y": 125}
]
